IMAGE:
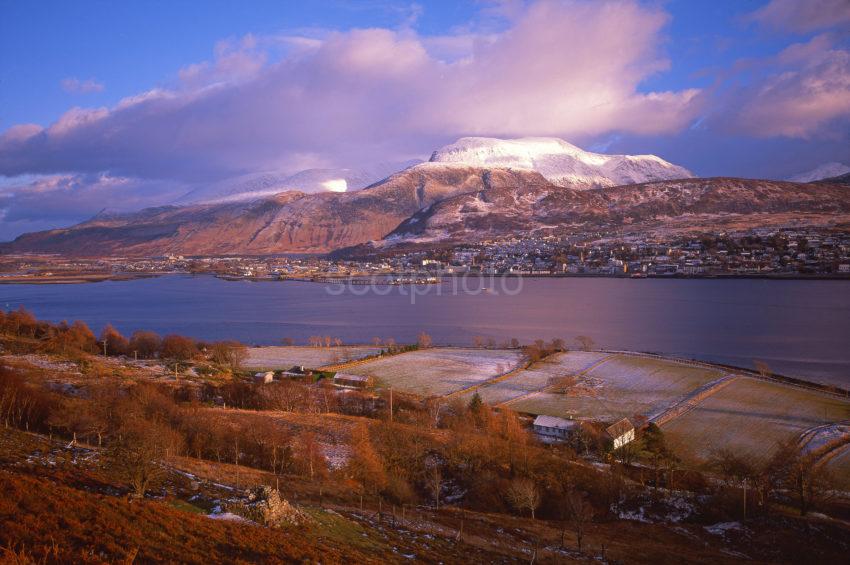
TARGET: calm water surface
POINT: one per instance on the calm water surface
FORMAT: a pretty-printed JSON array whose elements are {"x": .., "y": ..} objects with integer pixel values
[{"x": 800, "y": 328}]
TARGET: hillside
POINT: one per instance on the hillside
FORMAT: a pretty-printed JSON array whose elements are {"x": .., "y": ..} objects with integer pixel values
[
  {"x": 111, "y": 459},
  {"x": 434, "y": 202}
]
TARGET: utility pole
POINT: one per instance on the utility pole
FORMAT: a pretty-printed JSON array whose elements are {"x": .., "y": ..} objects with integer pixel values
[{"x": 104, "y": 347}]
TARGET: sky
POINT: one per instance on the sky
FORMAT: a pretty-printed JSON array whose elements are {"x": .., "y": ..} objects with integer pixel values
[{"x": 123, "y": 105}]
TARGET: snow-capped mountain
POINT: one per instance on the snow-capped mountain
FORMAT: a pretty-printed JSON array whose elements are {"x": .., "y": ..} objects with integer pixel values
[
  {"x": 561, "y": 163},
  {"x": 825, "y": 171},
  {"x": 259, "y": 185}
]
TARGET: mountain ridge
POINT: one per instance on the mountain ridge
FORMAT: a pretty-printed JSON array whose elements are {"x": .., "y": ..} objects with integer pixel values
[{"x": 431, "y": 204}]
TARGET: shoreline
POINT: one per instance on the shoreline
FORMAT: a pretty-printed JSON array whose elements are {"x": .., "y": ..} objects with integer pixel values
[{"x": 84, "y": 279}]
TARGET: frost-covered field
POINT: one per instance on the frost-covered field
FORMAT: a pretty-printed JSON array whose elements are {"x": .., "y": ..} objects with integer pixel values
[
  {"x": 621, "y": 386},
  {"x": 749, "y": 417},
  {"x": 539, "y": 376},
  {"x": 439, "y": 371},
  {"x": 284, "y": 357}
]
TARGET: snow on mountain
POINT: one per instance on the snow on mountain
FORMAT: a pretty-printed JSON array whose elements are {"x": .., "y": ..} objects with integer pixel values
[
  {"x": 258, "y": 185},
  {"x": 825, "y": 171},
  {"x": 559, "y": 162}
]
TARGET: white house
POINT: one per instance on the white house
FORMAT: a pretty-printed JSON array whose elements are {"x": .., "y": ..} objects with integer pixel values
[
  {"x": 621, "y": 433},
  {"x": 264, "y": 378},
  {"x": 553, "y": 427}
]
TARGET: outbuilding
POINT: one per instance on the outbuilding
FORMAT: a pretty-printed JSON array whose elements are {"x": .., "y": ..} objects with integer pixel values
[
  {"x": 352, "y": 381},
  {"x": 621, "y": 433},
  {"x": 264, "y": 378}
]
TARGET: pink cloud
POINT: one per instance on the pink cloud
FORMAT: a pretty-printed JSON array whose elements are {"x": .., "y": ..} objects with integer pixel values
[
  {"x": 76, "y": 86},
  {"x": 570, "y": 69},
  {"x": 803, "y": 16},
  {"x": 803, "y": 91}
]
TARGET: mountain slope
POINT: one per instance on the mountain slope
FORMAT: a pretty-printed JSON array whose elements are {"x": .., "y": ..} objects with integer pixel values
[
  {"x": 258, "y": 185},
  {"x": 825, "y": 171},
  {"x": 500, "y": 212},
  {"x": 288, "y": 222},
  {"x": 559, "y": 162}
]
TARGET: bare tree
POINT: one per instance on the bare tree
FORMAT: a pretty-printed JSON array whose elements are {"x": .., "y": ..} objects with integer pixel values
[
  {"x": 136, "y": 452},
  {"x": 762, "y": 368},
  {"x": 585, "y": 343},
  {"x": 376, "y": 341},
  {"x": 230, "y": 354},
  {"x": 523, "y": 494},
  {"x": 563, "y": 384},
  {"x": 801, "y": 474},
  {"x": 478, "y": 341},
  {"x": 579, "y": 511},
  {"x": 435, "y": 483},
  {"x": 288, "y": 341},
  {"x": 424, "y": 340}
]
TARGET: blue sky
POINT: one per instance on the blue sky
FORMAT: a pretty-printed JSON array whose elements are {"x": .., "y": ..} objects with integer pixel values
[{"x": 128, "y": 104}]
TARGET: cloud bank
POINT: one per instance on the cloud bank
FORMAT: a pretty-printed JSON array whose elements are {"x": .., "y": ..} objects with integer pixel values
[{"x": 570, "y": 69}]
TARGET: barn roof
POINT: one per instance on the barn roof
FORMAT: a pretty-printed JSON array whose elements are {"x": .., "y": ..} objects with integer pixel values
[
  {"x": 554, "y": 422},
  {"x": 620, "y": 428}
]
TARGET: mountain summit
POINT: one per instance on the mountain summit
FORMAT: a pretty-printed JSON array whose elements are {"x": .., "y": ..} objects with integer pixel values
[{"x": 561, "y": 163}]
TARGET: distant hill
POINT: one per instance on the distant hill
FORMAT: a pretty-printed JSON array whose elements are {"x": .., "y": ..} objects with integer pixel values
[
  {"x": 841, "y": 179},
  {"x": 821, "y": 172}
]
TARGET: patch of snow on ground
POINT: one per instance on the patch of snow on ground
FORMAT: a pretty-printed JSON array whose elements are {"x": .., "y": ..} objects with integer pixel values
[
  {"x": 721, "y": 528},
  {"x": 229, "y": 517}
]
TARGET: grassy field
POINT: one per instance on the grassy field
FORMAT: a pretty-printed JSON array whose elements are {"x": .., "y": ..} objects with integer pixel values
[
  {"x": 749, "y": 417},
  {"x": 284, "y": 357},
  {"x": 621, "y": 386},
  {"x": 439, "y": 371},
  {"x": 538, "y": 376}
]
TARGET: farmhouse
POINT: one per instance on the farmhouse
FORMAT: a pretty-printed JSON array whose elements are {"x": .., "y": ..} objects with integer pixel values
[
  {"x": 621, "y": 433},
  {"x": 264, "y": 378},
  {"x": 553, "y": 427},
  {"x": 354, "y": 381}
]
